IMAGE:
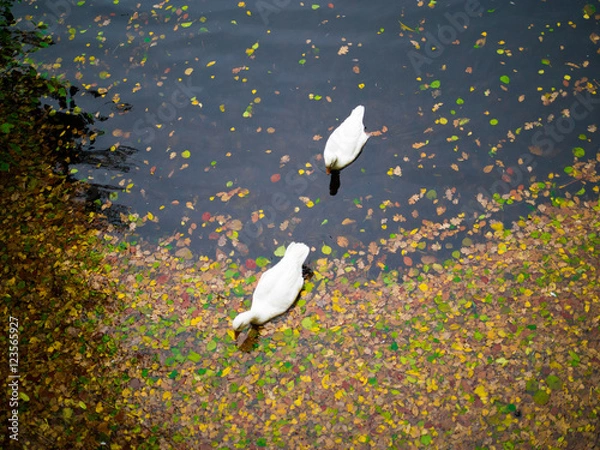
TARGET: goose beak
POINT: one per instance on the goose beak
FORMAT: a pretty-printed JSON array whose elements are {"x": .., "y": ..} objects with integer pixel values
[
  {"x": 236, "y": 334},
  {"x": 327, "y": 170}
]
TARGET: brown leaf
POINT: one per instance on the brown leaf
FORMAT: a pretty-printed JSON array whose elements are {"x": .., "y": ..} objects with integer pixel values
[
  {"x": 342, "y": 241},
  {"x": 373, "y": 248}
]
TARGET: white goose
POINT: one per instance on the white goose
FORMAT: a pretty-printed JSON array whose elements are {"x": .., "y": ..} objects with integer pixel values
[
  {"x": 277, "y": 288},
  {"x": 346, "y": 142}
]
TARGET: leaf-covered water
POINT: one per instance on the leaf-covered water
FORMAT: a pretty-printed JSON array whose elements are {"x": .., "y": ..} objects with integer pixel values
[{"x": 224, "y": 110}]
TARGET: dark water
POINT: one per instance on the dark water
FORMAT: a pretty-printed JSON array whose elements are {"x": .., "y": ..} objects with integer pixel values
[{"x": 153, "y": 60}]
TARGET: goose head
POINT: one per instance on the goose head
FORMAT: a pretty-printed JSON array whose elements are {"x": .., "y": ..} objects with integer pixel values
[{"x": 242, "y": 321}]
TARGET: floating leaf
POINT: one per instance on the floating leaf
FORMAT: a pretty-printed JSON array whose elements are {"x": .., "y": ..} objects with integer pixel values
[
  {"x": 505, "y": 79},
  {"x": 541, "y": 397},
  {"x": 194, "y": 357},
  {"x": 553, "y": 382},
  {"x": 307, "y": 323},
  {"x": 261, "y": 261}
]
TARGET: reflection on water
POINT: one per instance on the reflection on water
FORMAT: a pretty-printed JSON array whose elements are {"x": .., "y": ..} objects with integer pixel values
[{"x": 228, "y": 110}]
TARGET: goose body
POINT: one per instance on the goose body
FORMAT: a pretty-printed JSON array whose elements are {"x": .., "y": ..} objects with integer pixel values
[
  {"x": 277, "y": 288},
  {"x": 346, "y": 142}
]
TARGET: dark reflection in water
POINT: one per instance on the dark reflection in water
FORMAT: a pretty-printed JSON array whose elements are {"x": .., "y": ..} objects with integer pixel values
[{"x": 334, "y": 182}]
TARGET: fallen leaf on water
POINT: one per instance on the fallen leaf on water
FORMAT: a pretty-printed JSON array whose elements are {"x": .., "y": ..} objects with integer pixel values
[{"x": 342, "y": 241}]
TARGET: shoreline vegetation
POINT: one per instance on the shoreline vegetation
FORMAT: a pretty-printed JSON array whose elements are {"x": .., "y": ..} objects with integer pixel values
[{"x": 126, "y": 345}]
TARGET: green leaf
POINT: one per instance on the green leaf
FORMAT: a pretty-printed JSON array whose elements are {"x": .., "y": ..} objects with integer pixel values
[
  {"x": 435, "y": 84},
  {"x": 261, "y": 261},
  {"x": 425, "y": 439},
  {"x": 307, "y": 323},
  {"x": 194, "y": 357},
  {"x": 541, "y": 397},
  {"x": 6, "y": 127},
  {"x": 279, "y": 251},
  {"x": 531, "y": 386},
  {"x": 553, "y": 382},
  {"x": 505, "y": 79},
  {"x": 579, "y": 152},
  {"x": 211, "y": 346}
]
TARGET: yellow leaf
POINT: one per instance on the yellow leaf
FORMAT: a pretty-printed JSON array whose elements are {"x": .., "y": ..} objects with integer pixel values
[
  {"x": 195, "y": 321},
  {"x": 211, "y": 63},
  {"x": 167, "y": 395},
  {"x": 326, "y": 249},
  {"x": 99, "y": 408},
  {"x": 497, "y": 226},
  {"x": 226, "y": 371},
  {"x": 482, "y": 393},
  {"x": 189, "y": 70},
  {"x": 325, "y": 382},
  {"x": 488, "y": 169},
  {"x": 405, "y": 27},
  {"x": 361, "y": 86},
  {"x": 423, "y": 287}
]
